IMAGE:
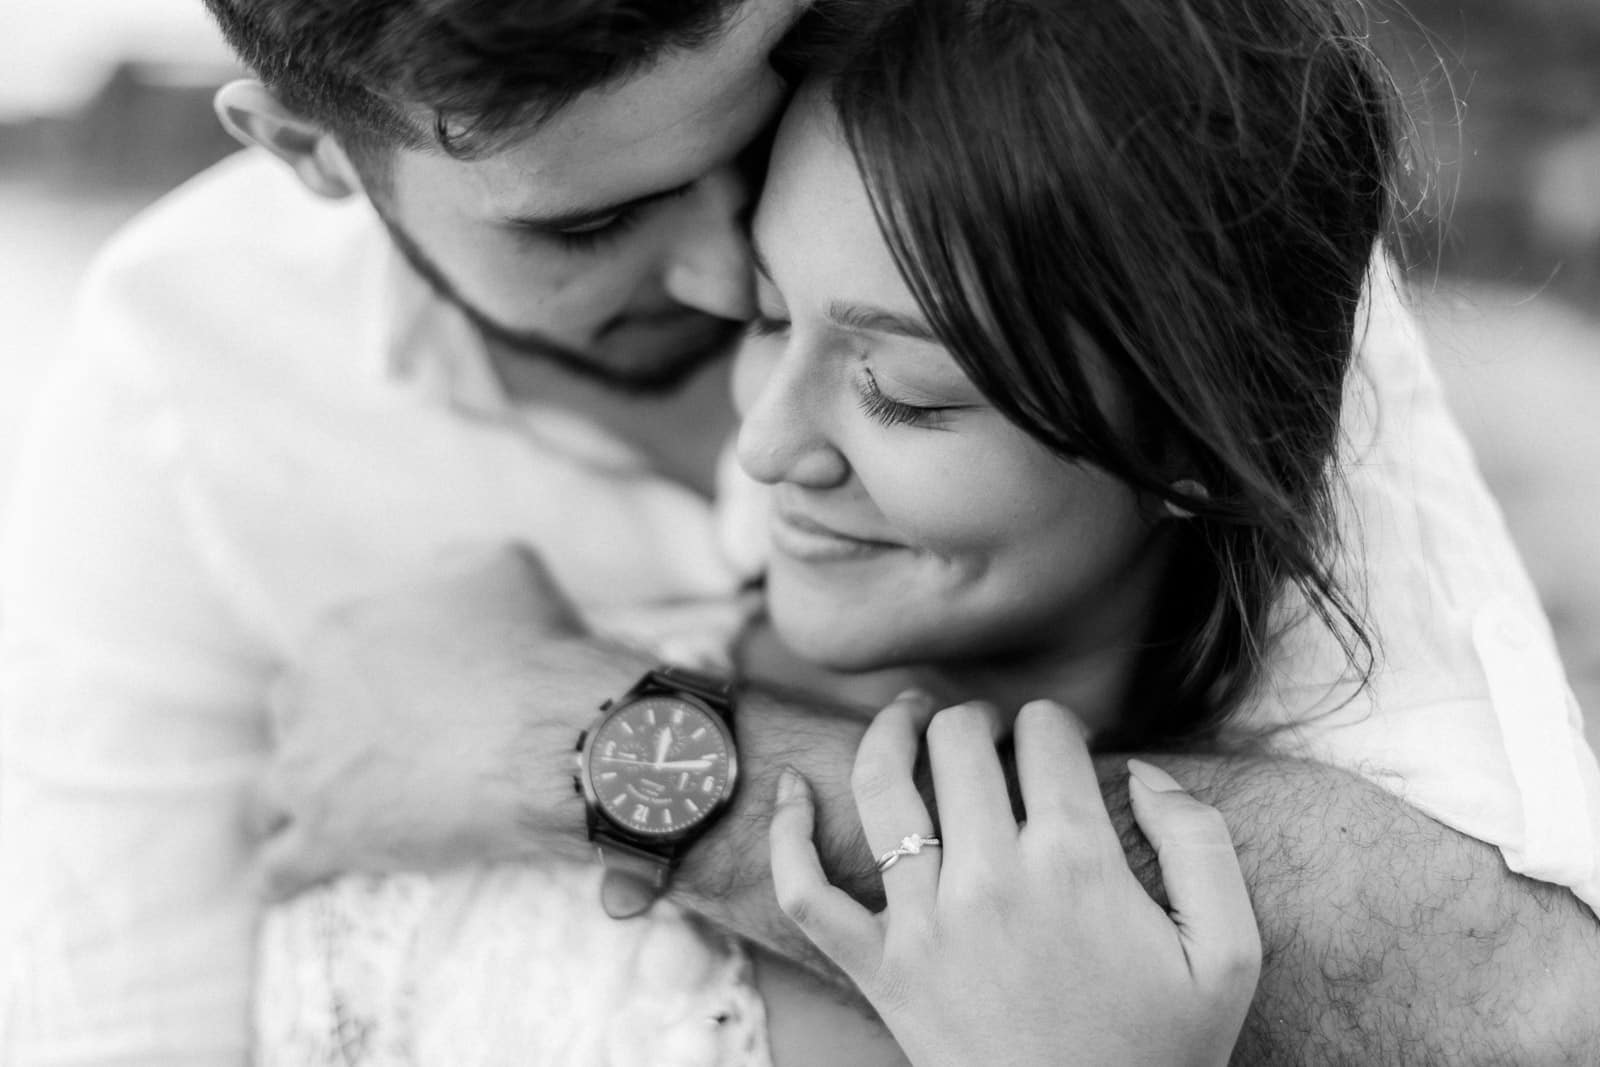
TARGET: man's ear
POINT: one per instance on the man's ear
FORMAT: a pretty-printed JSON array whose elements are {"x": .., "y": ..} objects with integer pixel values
[{"x": 254, "y": 116}]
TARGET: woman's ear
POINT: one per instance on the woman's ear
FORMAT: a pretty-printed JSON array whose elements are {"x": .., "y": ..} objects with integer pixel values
[{"x": 250, "y": 112}]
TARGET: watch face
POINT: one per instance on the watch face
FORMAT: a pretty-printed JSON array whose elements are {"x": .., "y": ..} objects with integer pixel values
[{"x": 660, "y": 765}]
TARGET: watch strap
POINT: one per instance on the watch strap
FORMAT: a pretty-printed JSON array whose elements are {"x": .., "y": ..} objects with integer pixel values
[
  {"x": 715, "y": 691},
  {"x": 634, "y": 878}
]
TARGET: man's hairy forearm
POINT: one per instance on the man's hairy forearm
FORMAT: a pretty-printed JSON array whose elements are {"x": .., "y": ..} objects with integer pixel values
[
  {"x": 727, "y": 877},
  {"x": 1388, "y": 938}
]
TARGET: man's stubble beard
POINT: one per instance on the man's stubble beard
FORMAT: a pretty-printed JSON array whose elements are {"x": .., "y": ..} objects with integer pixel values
[{"x": 659, "y": 379}]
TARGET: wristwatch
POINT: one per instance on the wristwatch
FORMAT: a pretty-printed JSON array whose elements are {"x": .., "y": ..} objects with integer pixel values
[{"x": 656, "y": 770}]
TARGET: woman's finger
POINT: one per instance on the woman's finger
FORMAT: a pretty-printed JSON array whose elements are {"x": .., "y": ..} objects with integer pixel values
[
  {"x": 1057, "y": 776},
  {"x": 975, "y": 816},
  {"x": 1200, "y": 869},
  {"x": 845, "y": 931},
  {"x": 887, "y": 800}
]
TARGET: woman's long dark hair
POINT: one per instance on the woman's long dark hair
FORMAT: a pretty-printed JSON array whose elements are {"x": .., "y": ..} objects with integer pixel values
[{"x": 1180, "y": 198}]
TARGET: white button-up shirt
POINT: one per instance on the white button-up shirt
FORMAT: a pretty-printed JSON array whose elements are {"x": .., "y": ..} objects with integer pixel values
[{"x": 266, "y": 414}]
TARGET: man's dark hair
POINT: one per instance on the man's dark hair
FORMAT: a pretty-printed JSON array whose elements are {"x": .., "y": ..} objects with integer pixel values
[{"x": 459, "y": 75}]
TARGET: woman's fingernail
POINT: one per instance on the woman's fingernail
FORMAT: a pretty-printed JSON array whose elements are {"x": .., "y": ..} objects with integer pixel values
[
  {"x": 910, "y": 694},
  {"x": 1153, "y": 777},
  {"x": 788, "y": 785}
]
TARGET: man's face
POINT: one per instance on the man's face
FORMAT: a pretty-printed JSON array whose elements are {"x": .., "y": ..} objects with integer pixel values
[{"x": 612, "y": 238}]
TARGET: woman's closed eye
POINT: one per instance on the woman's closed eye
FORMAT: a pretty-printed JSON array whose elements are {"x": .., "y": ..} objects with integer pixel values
[{"x": 890, "y": 411}]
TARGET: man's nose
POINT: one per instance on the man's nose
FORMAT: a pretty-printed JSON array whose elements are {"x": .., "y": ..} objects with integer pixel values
[
  {"x": 709, "y": 268},
  {"x": 783, "y": 435}
]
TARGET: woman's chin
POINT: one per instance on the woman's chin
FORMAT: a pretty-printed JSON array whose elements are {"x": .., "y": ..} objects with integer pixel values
[{"x": 820, "y": 640}]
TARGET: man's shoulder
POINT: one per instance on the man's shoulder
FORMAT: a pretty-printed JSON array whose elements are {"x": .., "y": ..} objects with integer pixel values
[
  {"x": 242, "y": 224},
  {"x": 238, "y": 277}
]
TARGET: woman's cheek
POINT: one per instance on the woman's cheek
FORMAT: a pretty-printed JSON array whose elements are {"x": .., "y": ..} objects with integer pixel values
[{"x": 942, "y": 496}]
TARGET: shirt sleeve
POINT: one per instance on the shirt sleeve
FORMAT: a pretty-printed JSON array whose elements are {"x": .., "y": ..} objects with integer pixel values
[
  {"x": 1467, "y": 715},
  {"x": 132, "y": 706}
]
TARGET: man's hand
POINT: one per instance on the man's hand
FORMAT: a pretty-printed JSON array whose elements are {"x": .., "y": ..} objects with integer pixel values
[{"x": 427, "y": 727}]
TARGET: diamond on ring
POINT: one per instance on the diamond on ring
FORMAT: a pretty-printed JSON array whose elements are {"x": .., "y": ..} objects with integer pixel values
[{"x": 909, "y": 845}]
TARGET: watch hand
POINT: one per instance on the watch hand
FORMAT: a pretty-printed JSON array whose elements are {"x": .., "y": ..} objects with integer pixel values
[
  {"x": 663, "y": 745},
  {"x": 676, "y": 765},
  {"x": 703, "y": 764}
]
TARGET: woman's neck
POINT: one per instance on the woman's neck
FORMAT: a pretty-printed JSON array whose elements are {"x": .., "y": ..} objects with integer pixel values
[
  {"x": 1090, "y": 669},
  {"x": 1093, "y": 686}
]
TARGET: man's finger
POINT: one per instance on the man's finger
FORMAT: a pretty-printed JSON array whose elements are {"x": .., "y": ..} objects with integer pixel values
[
  {"x": 509, "y": 579},
  {"x": 845, "y": 931},
  {"x": 1200, "y": 869},
  {"x": 284, "y": 701},
  {"x": 264, "y": 815},
  {"x": 288, "y": 864}
]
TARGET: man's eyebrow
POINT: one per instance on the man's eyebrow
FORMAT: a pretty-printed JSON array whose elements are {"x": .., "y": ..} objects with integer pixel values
[
  {"x": 586, "y": 216},
  {"x": 881, "y": 320}
]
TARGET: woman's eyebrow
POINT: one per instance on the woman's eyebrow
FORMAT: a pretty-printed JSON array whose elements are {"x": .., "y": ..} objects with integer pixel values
[
  {"x": 860, "y": 316},
  {"x": 881, "y": 320}
]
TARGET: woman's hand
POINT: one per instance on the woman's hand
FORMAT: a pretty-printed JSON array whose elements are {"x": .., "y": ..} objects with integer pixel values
[{"x": 1033, "y": 943}]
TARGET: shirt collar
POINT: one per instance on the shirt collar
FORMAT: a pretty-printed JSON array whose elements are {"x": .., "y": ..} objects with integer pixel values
[{"x": 429, "y": 348}]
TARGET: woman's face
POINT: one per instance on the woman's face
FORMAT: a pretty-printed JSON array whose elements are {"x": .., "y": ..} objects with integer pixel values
[{"x": 912, "y": 522}]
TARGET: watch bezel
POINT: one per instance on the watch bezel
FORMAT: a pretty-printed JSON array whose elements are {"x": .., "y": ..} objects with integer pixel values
[{"x": 677, "y": 835}]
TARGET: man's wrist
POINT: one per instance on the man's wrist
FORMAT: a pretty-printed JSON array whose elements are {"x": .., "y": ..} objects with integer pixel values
[
  {"x": 542, "y": 766},
  {"x": 726, "y": 875}
]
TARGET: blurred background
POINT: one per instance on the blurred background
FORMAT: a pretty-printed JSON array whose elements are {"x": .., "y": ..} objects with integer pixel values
[{"x": 105, "y": 105}]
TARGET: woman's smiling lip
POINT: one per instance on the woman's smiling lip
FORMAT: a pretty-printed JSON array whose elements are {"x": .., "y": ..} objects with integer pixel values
[{"x": 807, "y": 540}]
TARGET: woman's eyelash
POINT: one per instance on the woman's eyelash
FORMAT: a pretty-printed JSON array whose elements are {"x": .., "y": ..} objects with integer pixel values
[
  {"x": 891, "y": 412},
  {"x": 873, "y": 401}
]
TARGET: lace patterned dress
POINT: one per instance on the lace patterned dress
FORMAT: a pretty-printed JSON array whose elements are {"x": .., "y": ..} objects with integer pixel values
[{"x": 498, "y": 965}]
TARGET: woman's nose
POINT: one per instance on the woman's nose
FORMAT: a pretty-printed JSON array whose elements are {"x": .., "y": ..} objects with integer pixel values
[{"x": 783, "y": 436}]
